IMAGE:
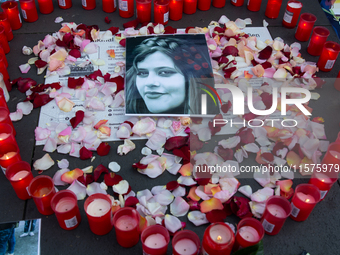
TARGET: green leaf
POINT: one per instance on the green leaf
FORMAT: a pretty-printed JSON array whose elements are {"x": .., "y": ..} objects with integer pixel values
[{"x": 256, "y": 249}]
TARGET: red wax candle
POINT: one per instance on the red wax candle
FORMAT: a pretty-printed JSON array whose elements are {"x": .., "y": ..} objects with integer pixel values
[
  {"x": 218, "y": 239},
  {"x": 64, "y": 204},
  {"x": 9, "y": 154},
  {"x": 237, "y": 2},
  {"x": 109, "y": 5},
  {"x": 249, "y": 232},
  {"x": 13, "y": 15},
  {"x": 88, "y": 4},
  {"x": 275, "y": 214},
  {"x": 305, "y": 27},
  {"x": 189, "y": 6},
  {"x": 306, "y": 196},
  {"x": 186, "y": 242},
  {"x": 3, "y": 68},
  {"x": 45, "y": 6},
  {"x": 176, "y": 9},
  {"x": 28, "y": 10},
  {"x": 337, "y": 87},
  {"x": 4, "y": 59},
  {"x": 126, "y": 222},
  {"x": 8, "y": 30},
  {"x": 318, "y": 39},
  {"x": 20, "y": 176},
  {"x": 161, "y": 11},
  {"x": 126, "y": 8},
  {"x": 65, "y": 4},
  {"x": 328, "y": 56},
  {"x": 155, "y": 240},
  {"x": 98, "y": 208},
  {"x": 254, "y": 5},
  {"x": 204, "y": 5},
  {"x": 218, "y": 3},
  {"x": 323, "y": 182},
  {"x": 4, "y": 118},
  {"x": 6, "y": 134},
  {"x": 3, "y": 40},
  {"x": 143, "y": 10},
  {"x": 42, "y": 190},
  {"x": 273, "y": 8},
  {"x": 3, "y": 102},
  {"x": 292, "y": 13}
]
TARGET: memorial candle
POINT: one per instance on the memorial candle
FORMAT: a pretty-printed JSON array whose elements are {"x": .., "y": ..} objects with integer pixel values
[
  {"x": 254, "y": 5},
  {"x": 126, "y": 8},
  {"x": 329, "y": 54},
  {"x": 273, "y": 8},
  {"x": 218, "y": 3},
  {"x": 318, "y": 39},
  {"x": 29, "y": 10},
  {"x": 292, "y": 13},
  {"x": 8, "y": 29},
  {"x": 190, "y": 6},
  {"x": 204, "y": 5},
  {"x": 9, "y": 154},
  {"x": 3, "y": 40},
  {"x": 45, "y": 6},
  {"x": 4, "y": 96},
  {"x": 175, "y": 9},
  {"x": 13, "y": 15},
  {"x": 88, "y": 4},
  {"x": 155, "y": 240},
  {"x": 4, "y": 117},
  {"x": 4, "y": 59},
  {"x": 109, "y": 5},
  {"x": 65, "y": 4},
  {"x": 218, "y": 239},
  {"x": 161, "y": 11},
  {"x": 237, "y": 2},
  {"x": 6, "y": 134},
  {"x": 305, "y": 27},
  {"x": 143, "y": 10},
  {"x": 323, "y": 182},
  {"x": 249, "y": 232},
  {"x": 186, "y": 242},
  {"x": 3, "y": 69},
  {"x": 19, "y": 174}
]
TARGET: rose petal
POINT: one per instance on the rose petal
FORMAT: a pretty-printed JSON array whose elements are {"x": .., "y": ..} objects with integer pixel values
[
  {"x": 197, "y": 218},
  {"x": 57, "y": 177},
  {"x": 71, "y": 176},
  {"x": 165, "y": 197},
  {"x": 25, "y": 107},
  {"x": 79, "y": 189},
  {"x": 246, "y": 190},
  {"x": 43, "y": 163},
  {"x": 24, "y": 68},
  {"x": 15, "y": 116},
  {"x": 179, "y": 207},
  {"x": 94, "y": 188},
  {"x": 211, "y": 204},
  {"x": 121, "y": 188},
  {"x": 50, "y": 145},
  {"x": 172, "y": 223},
  {"x": 262, "y": 195},
  {"x": 114, "y": 167}
]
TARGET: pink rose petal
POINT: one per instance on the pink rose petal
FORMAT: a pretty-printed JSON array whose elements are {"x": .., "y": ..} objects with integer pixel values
[
  {"x": 79, "y": 189},
  {"x": 179, "y": 207}
]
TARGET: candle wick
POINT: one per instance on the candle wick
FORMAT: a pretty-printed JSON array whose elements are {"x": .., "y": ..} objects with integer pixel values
[{"x": 100, "y": 209}]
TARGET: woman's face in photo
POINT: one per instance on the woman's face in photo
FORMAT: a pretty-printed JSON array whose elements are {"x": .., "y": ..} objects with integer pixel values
[{"x": 159, "y": 83}]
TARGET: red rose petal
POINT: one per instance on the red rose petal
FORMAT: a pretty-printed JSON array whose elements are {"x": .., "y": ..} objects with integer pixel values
[
  {"x": 122, "y": 42},
  {"x": 139, "y": 165},
  {"x": 246, "y": 135},
  {"x": 240, "y": 207},
  {"x": 85, "y": 153},
  {"x": 266, "y": 53},
  {"x": 40, "y": 100},
  {"x": 228, "y": 72},
  {"x": 267, "y": 99},
  {"x": 25, "y": 84},
  {"x": 230, "y": 50},
  {"x": 86, "y": 179},
  {"x": 226, "y": 154},
  {"x": 74, "y": 83},
  {"x": 216, "y": 216},
  {"x": 40, "y": 63},
  {"x": 184, "y": 153},
  {"x": 131, "y": 202},
  {"x": 77, "y": 119},
  {"x": 170, "y": 30},
  {"x": 225, "y": 107},
  {"x": 75, "y": 53},
  {"x": 98, "y": 171},
  {"x": 133, "y": 23},
  {"x": 107, "y": 20},
  {"x": 195, "y": 142},
  {"x": 119, "y": 80},
  {"x": 103, "y": 149},
  {"x": 194, "y": 205},
  {"x": 114, "y": 30},
  {"x": 267, "y": 157},
  {"x": 172, "y": 185},
  {"x": 111, "y": 179},
  {"x": 175, "y": 142}
]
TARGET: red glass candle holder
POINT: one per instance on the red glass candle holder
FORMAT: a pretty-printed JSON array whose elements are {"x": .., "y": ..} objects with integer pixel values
[
  {"x": 64, "y": 204},
  {"x": 3, "y": 54},
  {"x": 305, "y": 198},
  {"x": 204, "y": 5},
  {"x": 218, "y": 3},
  {"x": 3, "y": 99},
  {"x": 318, "y": 39},
  {"x": 305, "y": 27},
  {"x": 249, "y": 232},
  {"x": 29, "y": 10},
  {"x": 109, "y": 5},
  {"x": 273, "y": 9},
  {"x": 275, "y": 214},
  {"x": 186, "y": 242},
  {"x": 337, "y": 85},
  {"x": 218, "y": 239},
  {"x": 4, "y": 117},
  {"x": 126, "y": 8},
  {"x": 98, "y": 208},
  {"x": 13, "y": 15},
  {"x": 126, "y": 222},
  {"x": 65, "y": 4},
  {"x": 254, "y": 5},
  {"x": 143, "y": 10},
  {"x": 6, "y": 134},
  {"x": 161, "y": 11},
  {"x": 3, "y": 40},
  {"x": 20, "y": 176},
  {"x": 329, "y": 54},
  {"x": 176, "y": 9},
  {"x": 3, "y": 68},
  {"x": 88, "y": 4},
  {"x": 292, "y": 13},
  {"x": 323, "y": 182},
  {"x": 45, "y": 6},
  {"x": 9, "y": 154},
  {"x": 189, "y": 6},
  {"x": 8, "y": 29},
  {"x": 155, "y": 240},
  {"x": 237, "y": 2}
]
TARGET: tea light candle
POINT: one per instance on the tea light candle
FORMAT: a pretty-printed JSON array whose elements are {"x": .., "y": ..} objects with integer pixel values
[
  {"x": 29, "y": 10},
  {"x": 249, "y": 232},
  {"x": 88, "y": 4},
  {"x": 254, "y": 5},
  {"x": 175, "y": 9},
  {"x": 12, "y": 12},
  {"x": 126, "y": 222},
  {"x": 126, "y": 8},
  {"x": 143, "y": 10},
  {"x": 273, "y": 9},
  {"x": 318, "y": 39},
  {"x": 45, "y": 6},
  {"x": 3, "y": 40},
  {"x": 9, "y": 154},
  {"x": 8, "y": 29},
  {"x": 185, "y": 247},
  {"x": 204, "y": 5},
  {"x": 190, "y": 6},
  {"x": 4, "y": 114},
  {"x": 65, "y": 4},
  {"x": 98, "y": 208},
  {"x": 161, "y": 11},
  {"x": 305, "y": 26},
  {"x": 64, "y": 204},
  {"x": 109, "y": 5},
  {"x": 218, "y": 239},
  {"x": 237, "y": 2},
  {"x": 292, "y": 13},
  {"x": 155, "y": 240},
  {"x": 329, "y": 54},
  {"x": 19, "y": 174},
  {"x": 185, "y": 242}
]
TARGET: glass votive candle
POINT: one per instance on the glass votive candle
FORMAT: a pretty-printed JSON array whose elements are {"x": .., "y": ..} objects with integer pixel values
[
  {"x": 3, "y": 68},
  {"x": 186, "y": 242},
  {"x": 64, "y": 204},
  {"x": 65, "y": 4},
  {"x": 29, "y": 10},
  {"x": 318, "y": 39},
  {"x": 161, "y": 11},
  {"x": 218, "y": 238},
  {"x": 9, "y": 154},
  {"x": 273, "y": 9},
  {"x": 109, "y": 5},
  {"x": 275, "y": 214},
  {"x": 8, "y": 29},
  {"x": 329, "y": 54},
  {"x": 254, "y": 5},
  {"x": 155, "y": 240},
  {"x": 13, "y": 15},
  {"x": 292, "y": 13},
  {"x": 204, "y": 5},
  {"x": 218, "y": 3},
  {"x": 4, "y": 118},
  {"x": 98, "y": 208},
  {"x": 126, "y": 8},
  {"x": 3, "y": 98},
  {"x": 249, "y": 232},
  {"x": 143, "y": 10},
  {"x": 237, "y": 2},
  {"x": 190, "y": 6},
  {"x": 4, "y": 58},
  {"x": 88, "y": 4},
  {"x": 20, "y": 176},
  {"x": 45, "y": 6},
  {"x": 305, "y": 27},
  {"x": 126, "y": 223},
  {"x": 6, "y": 134},
  {"x": 323, "y": 182},
  {"x": 3, "y": 40},
  {"x": 175, "y": 9}
]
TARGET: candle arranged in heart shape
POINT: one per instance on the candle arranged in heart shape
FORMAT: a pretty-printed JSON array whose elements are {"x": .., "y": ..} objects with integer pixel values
[
  {"x": 186, "y": 242},
  {"x": 20, "y": 176},
  {"x": 218, "y": 239},
  {"x": 155, "y": 240}
]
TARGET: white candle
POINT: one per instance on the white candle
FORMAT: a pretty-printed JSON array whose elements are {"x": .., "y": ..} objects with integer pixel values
[
  {"x": 98, "y": 207},
  {"x": 295, "y": 5},
  {"x": 126, "y": 223},
  {"x": 185, "y": 246},
  {"x": 8, "y": 155},
  {"x": 249, "y": 233},
  {"x": 155, "y": 241},
  {"x": 3, "y": 136},
  {"x": 65, "y": 204},
  {"x": 19, "y": 175},
  {"x": 277, "y": 211},
  {"x": 306, "y": 198},
  {"x": 335, "y": 154},
  {"x": 324, "y": 178},
  {"x": 220, "y": 234}
]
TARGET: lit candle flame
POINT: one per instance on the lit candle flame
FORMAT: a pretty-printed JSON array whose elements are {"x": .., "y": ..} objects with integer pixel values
[
  {"x": 307, "y": 200},
  {"x": 219, "y": 238},
  {"x": 44, "y": 195},
  {"x": 323, "y": 180}
]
